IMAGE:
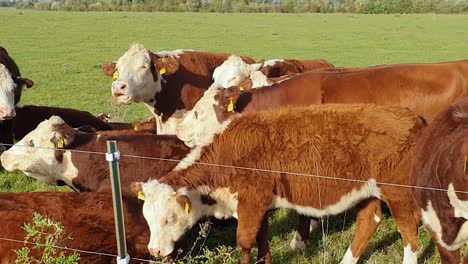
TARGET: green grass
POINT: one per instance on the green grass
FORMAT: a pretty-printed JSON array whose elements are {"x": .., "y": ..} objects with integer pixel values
[{"x": 62, "y": 53}]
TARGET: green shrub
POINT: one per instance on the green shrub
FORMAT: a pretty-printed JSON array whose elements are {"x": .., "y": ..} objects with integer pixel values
[{"x": 45, "y": 234}]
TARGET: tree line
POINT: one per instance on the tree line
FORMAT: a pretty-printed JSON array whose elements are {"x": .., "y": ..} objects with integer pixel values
[{"x": 249, "y": 6}]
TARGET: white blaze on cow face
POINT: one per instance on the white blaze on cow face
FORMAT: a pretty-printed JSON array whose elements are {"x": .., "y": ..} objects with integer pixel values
[
  {"x": 135, "y": 81},
  {"x": 7, "y": 94},
  {"x": 34, "y": 155},
  {"x": 233, "y": 71},
  {"x": 167, "y": 219},
  {"x": 200, "y": 124}
]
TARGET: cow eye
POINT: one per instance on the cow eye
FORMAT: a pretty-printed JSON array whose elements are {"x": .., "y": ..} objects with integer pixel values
[
  {"x": 143, "y": 67},
  {"x": 31, "y": 143}
]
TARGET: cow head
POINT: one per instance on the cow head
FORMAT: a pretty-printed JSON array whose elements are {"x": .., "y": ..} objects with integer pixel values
[
  {"x": 138, "y": 75},
  {"x": 233, "y": 71},
  {"x": 169, "y": 214},
  {"x": 201, "y": 124},
  {"x": 38, "y": 154},
  {"x": 7, "y": 94}
]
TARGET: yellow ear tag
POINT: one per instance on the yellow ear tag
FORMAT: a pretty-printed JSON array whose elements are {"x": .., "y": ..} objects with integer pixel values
[
  {"x": 466, "y": 164},
  {"x": 135, "y": 128},
  {"x": 141, "y": 196},
  {"x": 60, "y": 143},
  {"x": 241, "y": 89},
  {"x": 230, "y": 107},
  {"x": 187, "y": 208},
  {"x": 162, "y": 71},
  {"x": 116, "y": 75}
]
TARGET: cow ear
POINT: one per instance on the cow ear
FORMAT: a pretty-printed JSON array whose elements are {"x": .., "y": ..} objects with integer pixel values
[
  {"x": 109, "y": 68},
  {"x": 185, "y": 203},
  {"x": 28, "y": 82},
  {"x": 137, "y": 189},
  {"x": 61, "y": 140},
  {"x": 245, "y": 85},
  {"x": 256, "y": 66},
  {"x": 228, "y": 98},
  {"x": 166, "y": 66}
]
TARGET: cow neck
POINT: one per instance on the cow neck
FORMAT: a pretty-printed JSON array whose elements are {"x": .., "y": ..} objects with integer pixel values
[{"x": 68, "y": 170}]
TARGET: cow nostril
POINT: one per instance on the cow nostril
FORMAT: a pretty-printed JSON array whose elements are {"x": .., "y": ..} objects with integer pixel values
[{"x": 123, "y": 86}]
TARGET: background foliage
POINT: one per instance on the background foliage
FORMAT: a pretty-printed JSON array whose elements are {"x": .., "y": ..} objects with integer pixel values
[{"x": 250, "y": 6}]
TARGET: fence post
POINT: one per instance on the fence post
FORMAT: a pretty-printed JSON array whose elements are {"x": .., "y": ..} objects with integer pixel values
[{"x": 113, "y": 156}]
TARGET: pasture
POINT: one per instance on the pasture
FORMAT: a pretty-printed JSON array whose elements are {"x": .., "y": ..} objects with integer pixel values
[{"x": 63, "y": 52}]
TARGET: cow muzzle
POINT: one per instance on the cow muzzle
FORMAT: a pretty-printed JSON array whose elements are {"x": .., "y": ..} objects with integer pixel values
[
  {"x": 7, "y": 113},
  {"x": 158, "y": 253},
  {"x": 120, "y": 91}
]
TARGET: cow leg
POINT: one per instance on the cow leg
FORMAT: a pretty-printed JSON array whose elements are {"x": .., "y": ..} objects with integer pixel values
[
  {"x": 262, "y": 242},
  {"x": 302, "y": 236},
  {"x": 249, "y": 225},
  {"x": 368, "y": 220},
  {"x": 408, "y": 219},
  {"x": 447, "y": 256}
]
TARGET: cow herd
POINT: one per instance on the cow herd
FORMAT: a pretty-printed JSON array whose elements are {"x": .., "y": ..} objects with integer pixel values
[{"x": 234, "y": 138}]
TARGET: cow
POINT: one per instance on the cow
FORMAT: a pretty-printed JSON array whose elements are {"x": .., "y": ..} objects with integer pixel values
[
  {"x": 440, "y": 176},
  {"x": 424, "y": 88},
  {"x": 164, "y": 81},
  {"x": 234, "y": 71},
  {"x": 87, "y": 218},
  {"x": 60, "y": 155},
  {"x": 29, "y": 116},
  {"x": 11, "y": 86},
  {"x": 268, "y": 160},
  {"x": 79, "y": 161}
]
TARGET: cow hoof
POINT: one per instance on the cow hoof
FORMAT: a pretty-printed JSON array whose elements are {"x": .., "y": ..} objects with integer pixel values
[{"x": 297, "y": 244}]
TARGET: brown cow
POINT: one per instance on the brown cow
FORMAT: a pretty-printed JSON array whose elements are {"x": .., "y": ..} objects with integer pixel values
[
  {"x": 440, "y": 167},
  {"x": 164, "y": 81},
  {"x": 280, "y": 67},
  {"x": 424, "y": 88},
  {"x": 11, "y": 86},
  {"x": 29, "y": 116},
  {"x": 88, "y": 220},
  {"x": 359, "y": 146},
  {"x": 82, "y": 171}
]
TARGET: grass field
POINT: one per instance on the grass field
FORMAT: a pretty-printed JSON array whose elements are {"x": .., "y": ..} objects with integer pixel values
[{"x": 62, "y": 53}]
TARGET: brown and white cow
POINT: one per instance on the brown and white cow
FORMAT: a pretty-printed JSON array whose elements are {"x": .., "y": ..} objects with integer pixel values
[
  {"x": 263, "y": 165},
  {"x": 11, "y": 86},
  {"x": 440, "y": 170},
  {"x": 424, "y": 88},
  {"x": 234, "y": 71},
  {"x": 88, "y": 220},
  {"x": 39, "y": 156},
  {"x": 164, "y": 81}
]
